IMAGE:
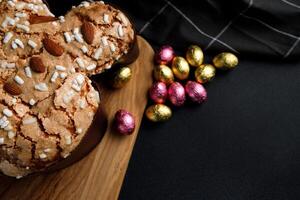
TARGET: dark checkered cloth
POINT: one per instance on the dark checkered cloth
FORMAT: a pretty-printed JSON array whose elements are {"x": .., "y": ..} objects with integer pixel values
[{"x": 256, "y": 28}]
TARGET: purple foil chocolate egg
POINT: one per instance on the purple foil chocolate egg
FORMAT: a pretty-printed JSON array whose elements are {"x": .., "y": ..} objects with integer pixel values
[
  {"x": 158, "y": 92},
  {"x": 195, "y": 91},
  {"x": 176, "y": 94},
  {"x": 124, "y": 122},
  {"x": 164, "y": 55}
]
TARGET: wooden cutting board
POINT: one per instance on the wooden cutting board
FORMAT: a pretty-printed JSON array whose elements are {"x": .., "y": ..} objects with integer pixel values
[{"x": 100, "y": 174}]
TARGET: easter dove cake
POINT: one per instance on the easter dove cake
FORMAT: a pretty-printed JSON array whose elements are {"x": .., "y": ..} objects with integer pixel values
[{"x": 47, "y": 100}]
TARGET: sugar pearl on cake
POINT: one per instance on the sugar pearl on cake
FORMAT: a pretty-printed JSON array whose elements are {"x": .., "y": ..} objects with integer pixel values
[
  {"x": 14, "y": 45},
  {"x": 19, "y": 80},
  {"x": 123, "y": 19},
  {"x": 27, "y": 23},
  {"x": 43, "y": 156},
  {"x": 30, "y": 120},
  {"x": 47, "y": 150},
  {"x": 66, "y": 155},
  {"x": 28, "y": 72},
  {"x": 104, "y": 41},
  {"x": 72, "y": 70},
  {"x": 63, "y": 75},
  {"x": 23, "y": 27},
  {"x": 7, "y": 37},
  {"x": 97, "y": 96},
  {"x": 11, "y": 65},
  {"x": 77, "y": 88},
  {"x": 107, "y": 66},
  {"x": 32, "y": 102},
  {"x": 84, "y": 49},
  {"x": 19, "y": 43},
  {"x": 54, "y": 77},
  {"x": 80, "y": 63},
  {"x": 91, "y": 67},
  {"x": 2, "y": 121},
  {"x": 11, "y": 4},
  {"x": 80, "y": 79},
  {"x": 67, "y": 37},
  {"x": 120, "y": 31},
  {"x": 11, "y": 134},
  {"x": 112, "y": 47},
  {"x": 20, "y": 14},
  {"x": 68, "y": 96},
  {"x": 32, "y": 44},
  {"x": 60, "y": 68},
  {"x": 106, "y": 18},
  {"x": 10, "y": 21},
  {"x": 4, "y": 124},
  {"x": 1, "y": 140},
  {"x": 76, "y": 30},
  {"x": 82, "y": 104},
  {"x": 7, "y": 112},
  {"x": 68, "y": 139},
  {"x": 85, "y": 4},
  {"x": 13, "y": 101},
  {"x": 41, "y": 87},
  {"x": 61, "y": 19},
  {"x": 79, "y": 130},
  {"x": 78, "y": 36},
  {"x": 98, "y": 53}
]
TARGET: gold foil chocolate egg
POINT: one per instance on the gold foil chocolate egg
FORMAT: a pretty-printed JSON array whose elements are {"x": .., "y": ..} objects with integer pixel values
[
  {"x": 194, "y": 55},
  {"x": 225, "y": 61},
  {"x": 121, "y": 77},
  {"x": 158, "y": 113},
  {"x": 205, "y": 73},
  {"x": 164, "y": 74},
  {"x": 180, "y": 68}
]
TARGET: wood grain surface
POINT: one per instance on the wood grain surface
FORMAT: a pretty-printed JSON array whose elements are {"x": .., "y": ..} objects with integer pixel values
[{"x": 100, "y": 174}]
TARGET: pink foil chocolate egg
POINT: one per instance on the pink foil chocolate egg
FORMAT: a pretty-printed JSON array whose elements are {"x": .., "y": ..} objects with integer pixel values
[
  {"x": 195, "y": 91},
  {"x": 124, "y": 122},
  {"x": 164, "y": 55},
  {"x": 158, "y": 92},
  {"x": 176, "y": 94}
]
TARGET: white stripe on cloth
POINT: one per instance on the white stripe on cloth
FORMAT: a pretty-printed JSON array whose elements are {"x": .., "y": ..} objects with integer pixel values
[
  {"x": 270, "y": 27},
  {"x": 291, "y": 4},
  {"x": 153, "y": 18},
  {"x": 229, "y": 24},
  {"x": 197, "y": 28},
  {"x": 292, "y": 48}
]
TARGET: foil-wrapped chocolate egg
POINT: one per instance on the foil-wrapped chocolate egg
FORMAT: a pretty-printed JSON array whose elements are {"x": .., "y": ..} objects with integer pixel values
[
  {"x": 158, "y": 113},
  {"x": 164, "y": 74},
  {"x": 180, "y": 68},
  {"x": 194, "y": 56},
  {"x": 158, "y": 92},
  {"x": 176, "y": 94},
  {"x": 225, "y": 61},
  {"x": 205, "y": 73},
  {"x": 121, "y": 77},
  {"x": 124, "y": 122},
  {"x": 164, "y": 55},
  {"x": 195, "y": 91}
]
